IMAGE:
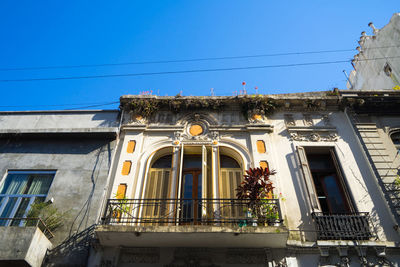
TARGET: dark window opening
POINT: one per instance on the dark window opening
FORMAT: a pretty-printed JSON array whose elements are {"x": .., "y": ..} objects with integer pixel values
[
  {"x": 388, "y": 70},
  {"x": 163, "y": 162},
  {"x": 228, "y": 162},
  {"x": 329, "y": 185}
]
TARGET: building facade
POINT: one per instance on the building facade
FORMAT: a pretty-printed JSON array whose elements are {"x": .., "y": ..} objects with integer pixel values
[{"x": 180, "y": 159}]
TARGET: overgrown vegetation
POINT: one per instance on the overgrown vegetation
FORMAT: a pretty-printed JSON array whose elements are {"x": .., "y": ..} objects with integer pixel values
[
  {"x": 49, "y": 214},
  {"x": 250, "y": 104},
  {"x": 257, "y": 105},
  {"x": 146, "y": 107}
]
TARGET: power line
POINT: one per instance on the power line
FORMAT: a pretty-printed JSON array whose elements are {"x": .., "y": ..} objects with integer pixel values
[
  {"x": 187, "y": 71},
  {"x": 93, "y": 106},
  {"x": 185, "y": 60},
  {"x": 63, "y": 105}
]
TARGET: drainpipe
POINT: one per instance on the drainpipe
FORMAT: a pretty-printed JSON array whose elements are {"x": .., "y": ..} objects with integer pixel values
[{"x": 109, "y": 178}]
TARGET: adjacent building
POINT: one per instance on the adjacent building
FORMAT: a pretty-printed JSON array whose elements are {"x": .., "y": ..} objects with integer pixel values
[
  {"x": 376, "y": 66},
  {"x": 62, "y": 158}
]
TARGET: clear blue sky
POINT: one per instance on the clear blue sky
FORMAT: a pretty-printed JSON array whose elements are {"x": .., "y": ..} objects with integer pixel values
[{"x": 62, "y": 33}]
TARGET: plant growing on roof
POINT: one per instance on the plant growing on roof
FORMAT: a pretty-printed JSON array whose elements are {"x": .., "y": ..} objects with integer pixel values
[
  {"x": 145, "y": 107},
  {"x": 179, "y": 104},
  {"x": 257, "y": 105},
  {"x": 257, "y": 189}
]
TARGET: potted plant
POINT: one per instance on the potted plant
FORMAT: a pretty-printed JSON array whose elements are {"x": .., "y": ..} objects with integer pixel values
[
  {"x": 257, "y": 188},
  {"x": 52, "y": 218}
]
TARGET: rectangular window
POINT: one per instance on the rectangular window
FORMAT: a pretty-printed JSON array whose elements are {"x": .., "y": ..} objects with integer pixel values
[
  {"x": 324, "y": 180},
  {"x": 19, "y": 190}
]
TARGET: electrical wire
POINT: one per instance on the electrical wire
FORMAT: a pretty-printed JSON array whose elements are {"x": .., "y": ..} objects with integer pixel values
[
  {"x": 186, "y": 71},
  {"x": 62, "y": 105},
  {"x": 186, "y": 60},
  {"x": 92, "y": 106}
]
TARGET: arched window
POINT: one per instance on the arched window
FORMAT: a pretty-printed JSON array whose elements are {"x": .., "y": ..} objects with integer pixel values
[
  {"x": 159, "y": 178},
  {"x": 231, "y": 173},
  {"x": 158, "y": 185},
  {"x": 196, "y": 173}
]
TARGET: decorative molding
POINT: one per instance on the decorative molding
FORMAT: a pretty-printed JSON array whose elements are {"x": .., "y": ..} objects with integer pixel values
[
  {"x": 260, "y": 127},
  {"x": 289, "y": 120},
  {"x": 206, "y": 138},
  {"x": 326, "y": 120},
  {"x": 307, "y": 120},
  {"x": 313, "y": 134}
]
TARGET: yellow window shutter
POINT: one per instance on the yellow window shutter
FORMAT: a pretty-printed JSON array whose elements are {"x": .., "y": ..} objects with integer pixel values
[
  {"x": 121, "y": 191},
  {"x": 131, "y": 146},
  {"x": 261, "y": 146},
  {"x": 263, "y": 164},
  {"x": 126, "y": 168}
]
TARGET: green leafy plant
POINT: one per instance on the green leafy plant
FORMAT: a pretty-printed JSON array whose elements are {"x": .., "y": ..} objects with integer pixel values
[
  {"x": 49, "y": 214},
  {"x": 270, "y": 209},
  {"x": 257, "y": 188},
  {"x": 121, "y": 207},
  {"x": 396, "y": 182}
]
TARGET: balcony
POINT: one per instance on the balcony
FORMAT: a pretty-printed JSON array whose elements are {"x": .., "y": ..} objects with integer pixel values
[
  {"x": 355, "y": 226},
  {"x": 30, "y": 239},
  {"x": 192, "y": 222}
]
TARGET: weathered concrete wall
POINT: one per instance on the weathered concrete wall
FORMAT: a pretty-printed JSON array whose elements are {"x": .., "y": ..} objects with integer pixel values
[
  {"x": 50, "y": 120},
  {"x": 81, "y": 173},
  {"x": 26, "y": 244}
]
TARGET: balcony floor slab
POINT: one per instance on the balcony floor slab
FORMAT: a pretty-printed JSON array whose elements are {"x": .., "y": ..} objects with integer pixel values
[{"x": 192, "y": 236}]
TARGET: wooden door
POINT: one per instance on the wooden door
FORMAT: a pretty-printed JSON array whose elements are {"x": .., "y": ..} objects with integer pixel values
[{"x": 191, "y": 195}]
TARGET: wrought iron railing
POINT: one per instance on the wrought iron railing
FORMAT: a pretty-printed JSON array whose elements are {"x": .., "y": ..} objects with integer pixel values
[
  {"x": 24, "y": 222},
  {"x": 354, "y": 226},
  {"x": 192, "y": 212}
]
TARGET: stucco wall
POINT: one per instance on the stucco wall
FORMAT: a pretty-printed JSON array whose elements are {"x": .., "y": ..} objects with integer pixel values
[{"x": 81, "y": 167}]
